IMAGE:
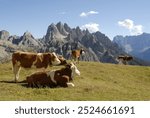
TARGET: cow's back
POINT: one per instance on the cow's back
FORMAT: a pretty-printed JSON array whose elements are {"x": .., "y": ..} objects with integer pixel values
[
  {"x": 24, "y": 59},
  {"x": 76, "y": 53},
  {"x": 42, "y": 60},
  {"x": 39, "y": 78}
]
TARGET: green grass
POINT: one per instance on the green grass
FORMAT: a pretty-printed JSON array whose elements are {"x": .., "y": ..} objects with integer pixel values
[{"x": 98, "y": 81}]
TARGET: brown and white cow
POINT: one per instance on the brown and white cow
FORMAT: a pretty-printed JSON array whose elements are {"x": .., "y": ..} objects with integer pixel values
[
  {"x": 75, "y": 54},
  {"x": 124, "y": 59},
  {"x": 61, "y": 77},
  {"x": 37, "y": 60}
]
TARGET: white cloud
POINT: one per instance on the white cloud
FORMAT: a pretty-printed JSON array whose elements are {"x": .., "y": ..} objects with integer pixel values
[
  {"x": 138, "y": 29},
  {"x": 85, "y": 14},
  {"x": 129, "y": 24},
  {"x": 92, "y": 27}
]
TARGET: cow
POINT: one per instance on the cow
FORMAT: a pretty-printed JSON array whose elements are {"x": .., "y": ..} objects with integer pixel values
[
  {"x": 62, "y": 60},
  {"x": 75, "y": 54},
  {"x": 54, "y": 78},
  {"x": 124, "y": 59},
  {"x": 37, "y": 60}
]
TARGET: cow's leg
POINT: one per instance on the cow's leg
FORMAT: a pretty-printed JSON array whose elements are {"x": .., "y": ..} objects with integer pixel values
[
  {"x": 69, "y": 84},
  {"x": 63, "y": 84},
  {"x": 36, "y": 84},
  {"x": 16, "y": 70},
  {"x": 78, "y": 59},
  {"x": 75, "y": 60},
  {"x": 71, "y": 57},
  {"x": 29, "y": 85}
]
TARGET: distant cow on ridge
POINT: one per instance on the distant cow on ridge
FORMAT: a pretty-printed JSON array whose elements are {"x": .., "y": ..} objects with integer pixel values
[
  {"x": 75, "y": 54},
  {"x": 54, "y": 78},
  {"x": 38, "y": 60},
  {"x": 124, "y": 59}
]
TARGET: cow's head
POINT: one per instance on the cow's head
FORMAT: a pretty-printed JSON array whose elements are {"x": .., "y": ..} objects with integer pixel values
[
  {"x": 73, "y": 68},
  {"x": 62, "y": 60},
  {"x": 82, "y": 51},
  {"x": 54, "y": 59}
]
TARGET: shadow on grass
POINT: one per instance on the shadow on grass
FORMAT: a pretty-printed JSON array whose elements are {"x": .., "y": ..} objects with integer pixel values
[
  {"x": 4, "y": 81},
  {"x": 25, "y": 84},
  {"x": 22, "y": 83}
]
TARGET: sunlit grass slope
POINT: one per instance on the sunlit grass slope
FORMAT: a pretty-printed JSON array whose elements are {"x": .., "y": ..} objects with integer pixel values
[{"x": 98, "y": 81}]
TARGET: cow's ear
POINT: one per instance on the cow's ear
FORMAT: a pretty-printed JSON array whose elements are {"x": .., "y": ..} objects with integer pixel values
[{"x": 50, "y": 55}]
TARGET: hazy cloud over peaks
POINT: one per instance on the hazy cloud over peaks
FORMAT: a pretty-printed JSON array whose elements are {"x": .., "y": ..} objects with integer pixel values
[
  {"x": 129, "y": 24},
  {"x": 92, "y": 27}
]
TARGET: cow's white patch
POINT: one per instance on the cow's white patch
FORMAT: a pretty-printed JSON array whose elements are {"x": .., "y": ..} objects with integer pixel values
[
  {"x": 39, "y": 54},
  {"x": 75, "y": 71},
  {"x": 70, "y": 84},
  {"x": 56, "y": 60},
  {"x": 51, "y": 74},
  {"x": 16, "y": 70},
  {"x": 34, "y": 63},
  {"x": 83, "y": 52},
  {"x": 40, "y": 57},
  {"x": 18, "y": 63}
]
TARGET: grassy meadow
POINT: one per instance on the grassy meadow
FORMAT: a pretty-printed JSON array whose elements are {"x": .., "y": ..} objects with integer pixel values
[{"x": 98, "y": 81}]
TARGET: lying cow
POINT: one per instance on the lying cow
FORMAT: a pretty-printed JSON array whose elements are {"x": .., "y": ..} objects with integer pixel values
[
  {"x": 54, "y": 78},
  {"x": 75, "y": 54},
  {"x": 37, "y": 60}
]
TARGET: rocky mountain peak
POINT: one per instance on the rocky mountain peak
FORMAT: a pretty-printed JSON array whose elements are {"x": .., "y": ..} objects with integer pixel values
[
  {"x": 52, "y": 28},
  {"x": 28, "y": 35},
  {"x": 4, "y": 35},
  {"x": 55, "y": 33},
  {"x": 79, "y": 31},
  {"x": 67, "y": 28},
  {"x": 61, "y": 39},
  {"x": 28, "y": 40},
  {"x": 61, "y": 29}
]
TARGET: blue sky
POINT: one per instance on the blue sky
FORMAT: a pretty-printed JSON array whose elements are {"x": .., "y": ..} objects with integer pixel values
[{"x": 111, "y": 17}]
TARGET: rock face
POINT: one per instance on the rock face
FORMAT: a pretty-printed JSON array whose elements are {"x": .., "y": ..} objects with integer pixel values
[
  {"x": 4, "y": 35},
  {"x": 62, "y": 39},
  {"x": 138, "y": 46},
  {"x": 9, "y": 44},
  {"x": 28, "y": 40}
]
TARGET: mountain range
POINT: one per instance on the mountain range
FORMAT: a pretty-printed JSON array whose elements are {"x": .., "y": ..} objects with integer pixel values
[
  {"x": 61, "y": 39},
  {"x": 138, "y": 46}
]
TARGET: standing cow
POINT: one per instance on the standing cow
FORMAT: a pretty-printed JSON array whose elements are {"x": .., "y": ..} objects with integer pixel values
[
  {"x": 61, "y": 77},
  {"x": 124, "y": 59},
  {"x": 37, "y": 60},
  {"x": 75, "y": 54}
]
